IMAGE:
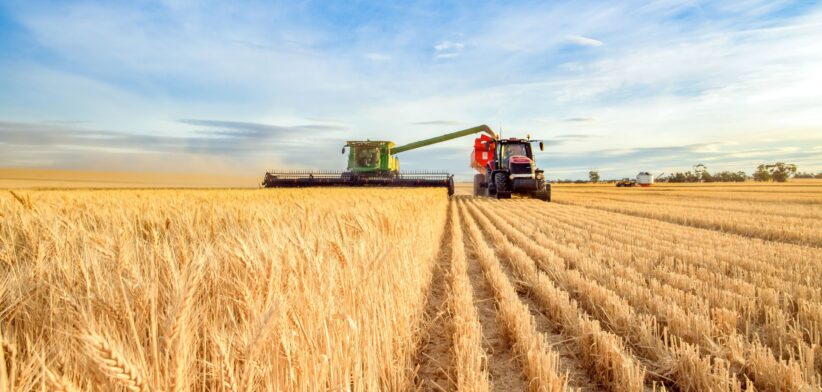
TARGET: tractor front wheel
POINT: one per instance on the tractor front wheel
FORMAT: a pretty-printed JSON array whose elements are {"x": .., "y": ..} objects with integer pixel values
[{"x": 543, "y": 194}]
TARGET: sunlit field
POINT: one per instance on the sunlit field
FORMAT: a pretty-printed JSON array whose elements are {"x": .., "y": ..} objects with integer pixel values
[{"x": 689, "y": 287}]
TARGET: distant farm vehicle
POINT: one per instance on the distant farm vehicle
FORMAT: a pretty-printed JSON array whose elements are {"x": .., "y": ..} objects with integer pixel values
[
  {"x": 646, "y": 178},
  {"x": 506, "y": 167},
  {"x": 643, "y": 179},
  {"x": 626, "y": 182},
  {"x": 372, "y": 163}
]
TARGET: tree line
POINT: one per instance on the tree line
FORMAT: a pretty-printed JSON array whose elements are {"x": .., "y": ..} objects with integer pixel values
[{"x": 777, "y": 172}]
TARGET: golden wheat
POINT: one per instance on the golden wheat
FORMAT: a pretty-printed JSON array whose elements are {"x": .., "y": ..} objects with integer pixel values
[
  {"x": 670, "y": 287},
  {"x": 250, "y": 290}
]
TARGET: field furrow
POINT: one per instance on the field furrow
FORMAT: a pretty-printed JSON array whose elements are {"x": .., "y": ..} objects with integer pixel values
[
  {"x": 470, "y": 358},
  {"x": 435, "y": 361},
  {"x": 790, "y": 336},
  {"x": 601, "y": 354},
  {"x": 708, "y": 286},
  {"x": 805, "y": 231},
  {"x": 764, "y": 264},
  {"x": 785, "y": 309},
  {"x": 682, "y": 322},
  {"x": 663, "y": 201},
  {"x": 539, "y": 360}
]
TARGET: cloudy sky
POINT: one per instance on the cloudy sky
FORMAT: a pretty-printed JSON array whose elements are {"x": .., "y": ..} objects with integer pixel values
[{"x": 244, "y": 86}]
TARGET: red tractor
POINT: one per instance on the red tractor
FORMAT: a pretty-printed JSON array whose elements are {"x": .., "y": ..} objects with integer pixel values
[{"x": 506, "y": 167}]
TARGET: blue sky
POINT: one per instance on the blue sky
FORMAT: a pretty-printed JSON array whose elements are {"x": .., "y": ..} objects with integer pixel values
[{"x": 244, "y": 86}]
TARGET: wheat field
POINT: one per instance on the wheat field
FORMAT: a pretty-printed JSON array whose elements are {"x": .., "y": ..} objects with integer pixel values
[{"x": 688, "y": 288}]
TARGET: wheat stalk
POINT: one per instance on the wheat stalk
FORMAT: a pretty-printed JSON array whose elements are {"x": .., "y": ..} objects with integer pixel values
[
  {"x": 114, "y": 365},
  {"x": 5, "y": 349},
  {"x": 178, "y": 333},
  {"x": 26, "y": 202},
  {"x": 227, "y": 374},
  {"x": 59, "y": 383}
]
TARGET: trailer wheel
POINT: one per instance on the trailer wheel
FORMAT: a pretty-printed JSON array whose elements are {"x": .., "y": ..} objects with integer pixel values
[{"x": 479, "y": 179}]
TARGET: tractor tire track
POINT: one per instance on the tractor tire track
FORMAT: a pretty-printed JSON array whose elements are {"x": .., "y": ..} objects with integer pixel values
[{"x": 435, "y": 359}]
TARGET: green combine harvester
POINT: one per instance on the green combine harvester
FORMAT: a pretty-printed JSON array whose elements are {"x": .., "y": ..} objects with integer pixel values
[{"x": 372, "y": 163}]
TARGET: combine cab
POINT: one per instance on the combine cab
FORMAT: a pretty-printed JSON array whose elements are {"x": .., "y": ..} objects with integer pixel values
[
  {"x": 372, "y": 163},
  {"x": 506, "y": 167}
]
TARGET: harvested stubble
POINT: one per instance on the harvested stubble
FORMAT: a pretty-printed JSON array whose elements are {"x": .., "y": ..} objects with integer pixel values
[
  {"x": 216, "y": 290},
  {"x": 469, "y": 357},
  {"x": 686, "y": 325},
  {"x": 604, "y": 353},
  {"x": 540, "y": 362},
  {"x": 794, "y": 222}
]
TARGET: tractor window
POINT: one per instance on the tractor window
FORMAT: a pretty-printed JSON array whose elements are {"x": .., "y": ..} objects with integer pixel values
[{"x": 510, "y": 150}]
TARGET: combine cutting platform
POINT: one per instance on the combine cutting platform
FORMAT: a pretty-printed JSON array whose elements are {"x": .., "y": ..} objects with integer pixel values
[{"x": 297, "y": 179}]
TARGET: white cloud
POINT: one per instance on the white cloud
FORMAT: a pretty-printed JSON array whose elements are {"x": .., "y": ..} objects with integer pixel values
[
  {"x": 378, "y": 56},
  {"x": 448, "y": 49},
  {"x": 448, "y": 45},
  {"x": 584, "y": 41}
]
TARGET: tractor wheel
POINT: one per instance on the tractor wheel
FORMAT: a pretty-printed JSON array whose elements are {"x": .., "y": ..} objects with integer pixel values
[
  {"x": 543, "y": 194},
  {"x": 502, "y": 186},
  {"x": 478, "y": 180}
]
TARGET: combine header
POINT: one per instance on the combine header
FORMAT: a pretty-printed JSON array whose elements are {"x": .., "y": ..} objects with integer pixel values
[{"x": 372, "y": 163}]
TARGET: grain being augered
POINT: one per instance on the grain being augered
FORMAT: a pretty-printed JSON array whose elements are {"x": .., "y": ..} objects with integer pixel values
[{"x": 675, "y": 287}]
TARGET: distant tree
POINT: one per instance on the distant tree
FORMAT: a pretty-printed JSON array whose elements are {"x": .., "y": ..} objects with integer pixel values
[
  {"x": 704, "y": 176},
  {"x": 818, "y": 175},
  {"x": 701, "y": 171},
  {"x": 803, "y": 175},
  {"x": 681, "y": 177},
  {"x": 593, "y": 175},
  {"x": 762, "y": 173},
  {"x": 701, "y": 174},
  {"x": 726, "y": 176},
  {"x": 780, "y": 172}
]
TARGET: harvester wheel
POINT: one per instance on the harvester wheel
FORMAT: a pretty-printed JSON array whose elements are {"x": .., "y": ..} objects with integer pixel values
[
  {"x": 451, "y": 186},
  {"x": 479, "y": 179}
]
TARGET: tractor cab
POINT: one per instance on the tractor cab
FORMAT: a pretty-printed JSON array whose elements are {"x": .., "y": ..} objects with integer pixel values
[
  {"x": 516, "y": 149},
  {"x": 371, "y": 157}
]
